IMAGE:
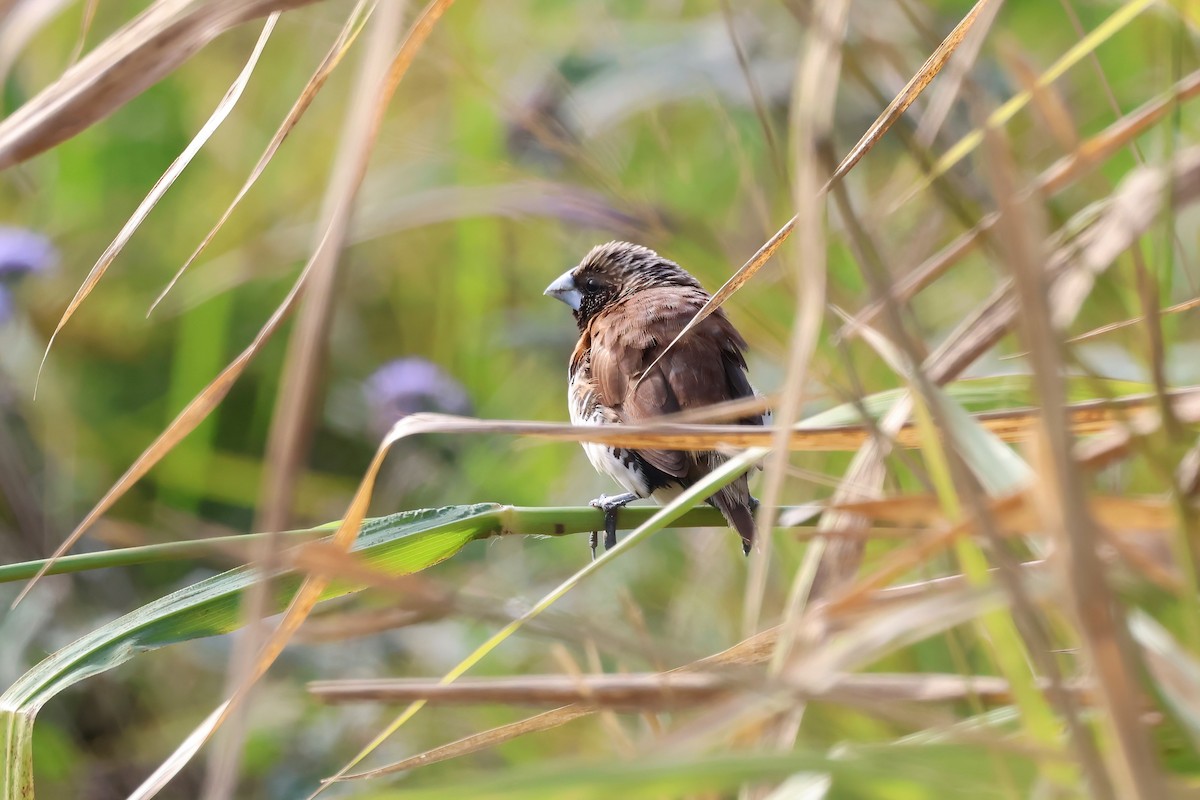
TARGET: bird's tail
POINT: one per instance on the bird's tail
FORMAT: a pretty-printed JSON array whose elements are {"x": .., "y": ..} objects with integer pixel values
[{"x": 735, "y": 507}]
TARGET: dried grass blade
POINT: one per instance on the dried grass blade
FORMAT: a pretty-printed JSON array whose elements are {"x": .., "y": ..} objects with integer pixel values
[
  {"x": 1090, "y": 153},
  {"x": 203, "y": 404},
  {"x": 812, "y": 109},
  {"x": 911, "y": 91},
  {"x": 184, "y": 423},
  {"x": 1132, "y": 513},
  {"x": 1131, "y": 771},
  {"x": 167, "y": 770},
  {"x": 941, "y": 102},
  {"x": 900, "y": 561},
  {"x": 754, "y": 650},
  {"x": 842, "y": 553},
  {"x": 218, "y": 116},
  {"x": 1007, "y": 425},
  {"x": 343, "y": 43},
  {"x": 1127, "y": 214},
  {"x": 1186, "y": 305},
  {"x": 633, "y": 692},
  {"x": 301, "y": 606},
  {"x": 310, "y": 590},
  {"x": 863, "y": 639},
  {"x": 878, "y": 128},
  {"x": 1082, "y": 49},
  {"x": 286, "y": 439},
  {"x": 727, "y": 472},
  {"x": 652, "y": 690},
  {"x": 342, "y": 185},
  {"x": 85, "y": 27},
  {"x": 496, "y": 736}
]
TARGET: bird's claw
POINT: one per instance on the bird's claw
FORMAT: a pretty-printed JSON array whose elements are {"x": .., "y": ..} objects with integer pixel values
[{"x": 610, "y": 506}]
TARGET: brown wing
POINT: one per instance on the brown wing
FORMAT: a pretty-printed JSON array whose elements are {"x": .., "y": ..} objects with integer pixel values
[{"x": 706, "y": 367}]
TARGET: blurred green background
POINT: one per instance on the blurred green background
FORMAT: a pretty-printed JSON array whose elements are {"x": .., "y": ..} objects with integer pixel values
[{"x": 526, "y": 132}]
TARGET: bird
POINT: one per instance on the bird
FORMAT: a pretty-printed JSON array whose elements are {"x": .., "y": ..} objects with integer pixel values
[{"x": 629, "y": 304}]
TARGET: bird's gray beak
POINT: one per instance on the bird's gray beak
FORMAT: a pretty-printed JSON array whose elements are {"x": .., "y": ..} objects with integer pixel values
[{"x": 564, "y": 289}]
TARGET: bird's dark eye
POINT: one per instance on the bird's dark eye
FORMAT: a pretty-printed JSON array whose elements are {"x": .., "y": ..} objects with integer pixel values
[{"x": 591, "y": 285}]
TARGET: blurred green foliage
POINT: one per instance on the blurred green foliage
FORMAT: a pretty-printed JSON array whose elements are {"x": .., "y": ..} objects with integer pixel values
[{"x": 598, "y": 121}]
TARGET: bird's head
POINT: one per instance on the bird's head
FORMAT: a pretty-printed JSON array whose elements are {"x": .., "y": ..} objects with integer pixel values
[{"x": 611, "y": 273}]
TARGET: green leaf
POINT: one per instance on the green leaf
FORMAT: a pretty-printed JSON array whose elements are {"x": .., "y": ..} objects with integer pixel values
[{"x": 398, "y": 544}]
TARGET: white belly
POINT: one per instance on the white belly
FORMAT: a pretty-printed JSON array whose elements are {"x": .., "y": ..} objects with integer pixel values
[{"x": 610, "y": 461}]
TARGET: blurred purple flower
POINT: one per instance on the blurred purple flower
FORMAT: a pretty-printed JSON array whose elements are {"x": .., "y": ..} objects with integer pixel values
[
  {"x": 21, "y": 252},
  {"x": 411, "y": 385}
]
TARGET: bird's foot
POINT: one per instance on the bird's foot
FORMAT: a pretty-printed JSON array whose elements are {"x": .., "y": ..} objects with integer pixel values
[{"x": 610, "y": 506}]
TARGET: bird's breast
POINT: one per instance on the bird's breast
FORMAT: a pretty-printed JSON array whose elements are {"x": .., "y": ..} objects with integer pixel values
[{"x": 586, "y": 408}]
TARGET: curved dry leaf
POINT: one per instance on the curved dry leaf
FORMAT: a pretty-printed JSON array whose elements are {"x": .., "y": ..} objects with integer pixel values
[
  {"x": 21, "y": 26},
  {"x": 127, "y": 63},
  {"x": 329, "y": 63},
  {"x": 220, "y": 113}
]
